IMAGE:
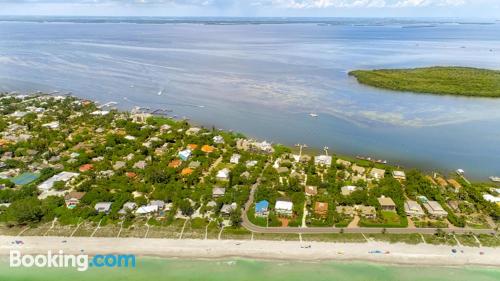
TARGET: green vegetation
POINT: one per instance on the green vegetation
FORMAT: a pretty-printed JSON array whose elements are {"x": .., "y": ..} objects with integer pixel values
[{"x": 460, "y": 81}]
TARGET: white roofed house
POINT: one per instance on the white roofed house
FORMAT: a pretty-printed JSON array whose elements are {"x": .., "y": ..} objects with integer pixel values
[
  {"x": 399, "y": 175},
  {"x": 62, "y": 176},
  {"x": 323, "y": 160},
  {"x": 347, "y": 190},
  {"x": 218, "y": 192},
  {"x": 147, "y": 209},
  {"x": 358, "y": 169},
  {"x": 434, "y": 209},
  {"x": 129, "y": 206},
  {"x": 413, "y": 209},
  {"x": 52, "y": 125},
  {"x": 218, "y": 139},
  {"x": 235, "y": 159},
  {"x": 377, "y": 173},
  {"x": 227, "y": 209},
  {"x": 159, "y": 203},
  {"x": 223, "y": 174},
  {"x": 284, "y": 207},
  {"x": 103, "y": 207}
]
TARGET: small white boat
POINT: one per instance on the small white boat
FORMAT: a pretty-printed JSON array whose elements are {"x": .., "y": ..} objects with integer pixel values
[
  {"x": 495, "y": 179},
  {"x": 313, "y": 114}
]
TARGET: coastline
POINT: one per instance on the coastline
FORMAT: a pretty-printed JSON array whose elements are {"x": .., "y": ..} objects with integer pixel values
[{"x": 392, "y": 254}]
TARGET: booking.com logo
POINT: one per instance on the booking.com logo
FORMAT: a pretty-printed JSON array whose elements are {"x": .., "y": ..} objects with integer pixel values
[{"x": 61, "y": 260}]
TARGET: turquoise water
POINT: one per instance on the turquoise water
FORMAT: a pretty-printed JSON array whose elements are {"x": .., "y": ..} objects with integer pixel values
[{"x": 241, "y": 270}]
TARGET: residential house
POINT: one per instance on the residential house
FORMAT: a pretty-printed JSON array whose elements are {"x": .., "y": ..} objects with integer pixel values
[
  {"x": 323, "y": 160},
  {"x": 358, "y": 169},
  {"x": 175, "y": 163},
  {"x": 262, "y": 208},
  {"x": 399, "y": 175},
  {"x": 119, "y": 165},
  {"x": 321, "y": 209},
  {"x": 413, "y": 209},
  {"x": 245, "y": 175},
  {"x": 284, "y": 207},
  {"x": 251, "y": 163},
  {"x": 129, "y": 206},
  {"x": 347, "y": 190},
  {"x": 186, "y": 172},
  {"x": 140, "y": 117},
  {"x": 62, "y": 176},
  {"x": 184, "y": 154},
  {"x": 86, "y": 167},
  {"x": 223, "y": 174},
  {"x": 368, "y": 212},
  {"x": 192, "y": 146},
  {"x": 218, "y": 139},
  {"x": 344, "y": 163},
  {"x": 72, "y": 199},
  {"x": 441, "y": 182},
  {"x": 159, "y": 203},
  {"x": 207, "y": 148},
  {"x": 435, "y": 210},
  {"x": 235, "y": 159},
  {"x": 346, "y": 210},
  {"x": 140, "y": 165},
  {"x": 147, "y": 209},
  {"x": 103, "y": 207},
  {"x": 194, "y": 165},
  {"x": 387, "y": 204},
  {"x": 227, "y": 209},
  {"x": 457, "y": 186},
  {"x": 218, "y": 192},
  {"x": 192, "y": 131},
  {"x": 311, "y": 190}
]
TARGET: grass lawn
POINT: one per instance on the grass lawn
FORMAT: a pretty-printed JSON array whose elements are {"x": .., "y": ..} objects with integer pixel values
[
  {"x": 388, "y": 219},
  {"x": 276, "y": 236},
  {"x": 335, "y": 237},
  {"x": 395, "y": 238},
  {"x": 460, "y": 81},
  {"x": 110, "y": 230},
  {"x": 195, "y": 229},
  {"x": 235, "y": 233},
  {"x": 39, "y": 230},
  {"x": 437, "y": 240},
  {"x": 61, "y": 230},
  {"x": 467, "y": 240},
  {"x": 11, "y": 230},
  {"x": 85, "y": 230},
  {"x": 489, "y": 240}
]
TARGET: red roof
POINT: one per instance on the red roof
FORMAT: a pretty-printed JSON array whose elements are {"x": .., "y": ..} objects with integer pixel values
[{"x": 86, "y": 167}]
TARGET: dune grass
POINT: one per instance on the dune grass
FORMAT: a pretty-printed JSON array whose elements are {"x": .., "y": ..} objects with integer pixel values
[{"x": 459, "y": 81}]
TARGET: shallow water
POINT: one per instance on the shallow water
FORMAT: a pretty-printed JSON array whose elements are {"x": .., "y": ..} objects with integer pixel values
[
  {"x": 264, "y": 80},
  {"x": 240, "y": 270}
]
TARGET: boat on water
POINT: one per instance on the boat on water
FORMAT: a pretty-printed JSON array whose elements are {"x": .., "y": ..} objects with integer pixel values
[
  {"x": 313, "y": 115},
  {"x": 495, "y": 179}
]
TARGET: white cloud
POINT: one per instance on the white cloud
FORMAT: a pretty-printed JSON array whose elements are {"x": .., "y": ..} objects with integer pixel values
[{"x": 318, "y": 4}]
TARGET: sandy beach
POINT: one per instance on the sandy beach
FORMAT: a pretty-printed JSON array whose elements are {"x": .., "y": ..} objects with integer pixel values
[{"x": 398, "y": 253}]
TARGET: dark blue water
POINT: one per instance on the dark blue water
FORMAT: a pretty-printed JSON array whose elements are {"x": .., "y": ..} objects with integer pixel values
[{"x": 264, "y": 79}]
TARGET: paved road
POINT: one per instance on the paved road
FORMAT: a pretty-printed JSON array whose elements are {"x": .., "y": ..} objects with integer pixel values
[{"x": 317, "y": 230}]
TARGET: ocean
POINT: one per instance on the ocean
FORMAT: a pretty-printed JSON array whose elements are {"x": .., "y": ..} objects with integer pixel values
[
  {"x": 243, "y": 270},
  {"x": 263, "y": 77}
]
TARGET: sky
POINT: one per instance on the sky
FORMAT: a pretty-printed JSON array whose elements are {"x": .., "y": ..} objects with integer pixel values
[{"x": 251, "y": 8}]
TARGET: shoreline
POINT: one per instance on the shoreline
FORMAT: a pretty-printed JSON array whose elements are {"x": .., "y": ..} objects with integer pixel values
[{"x": 399, "y": 253}]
